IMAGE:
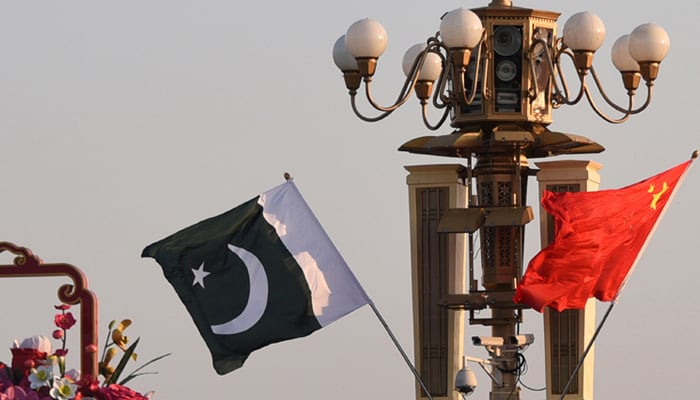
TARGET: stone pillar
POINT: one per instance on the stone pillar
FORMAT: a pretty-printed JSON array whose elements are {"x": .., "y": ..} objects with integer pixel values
[
  {"x": 566, "y": 334},
  {"x": 438, "y": 268}
]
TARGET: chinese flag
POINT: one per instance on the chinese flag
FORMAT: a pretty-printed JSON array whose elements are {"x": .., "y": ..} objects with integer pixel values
[{"x": 599, "y": 237}]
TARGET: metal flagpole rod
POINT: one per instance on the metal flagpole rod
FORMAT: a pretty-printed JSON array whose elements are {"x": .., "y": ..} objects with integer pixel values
[
  {"x": 585, "y": 353},
  {"x": 399, "y": 348}
]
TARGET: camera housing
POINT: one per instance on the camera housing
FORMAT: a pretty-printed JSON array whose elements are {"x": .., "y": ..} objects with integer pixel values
[
  {"x": 487, "y": 341},
  {"x": 522, "y": 340},
  {"x": 465, "y": 381}
]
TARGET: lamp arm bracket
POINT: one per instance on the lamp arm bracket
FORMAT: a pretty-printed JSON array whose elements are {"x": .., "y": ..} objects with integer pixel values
[
  {"x": 403, "y": 96},
  {"x": 458, "y": 74},
  {"x": 630, "y": 94},
  {"x": 565, "y": 99},
  {"x": 605, "y": 116},
  {"x": 427, "y": 123},
  {"x": 560, "y": 95},
  {"x": 408, "y": 85},
  {"x": 353, "y": 103},
  {"x": 483, "y": 363},
  {"x": 534, "y": 91},
  {"x": 440, "y": 99},
  {"x": 411, "y": 79}
]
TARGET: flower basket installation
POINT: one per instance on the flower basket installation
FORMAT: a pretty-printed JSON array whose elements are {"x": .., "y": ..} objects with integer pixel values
[{"x": 38, "y": 372}]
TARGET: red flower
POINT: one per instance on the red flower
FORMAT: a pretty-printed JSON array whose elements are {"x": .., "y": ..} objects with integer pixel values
[
  {"x": 118, "y": 392},
  {"x": 61, "y": 352},
  {"x": 25, "y": 359},
  {"x": 5, "y": 377},
  {"x": 64, "y": 321},
  {"x": 90, "y": 388}
]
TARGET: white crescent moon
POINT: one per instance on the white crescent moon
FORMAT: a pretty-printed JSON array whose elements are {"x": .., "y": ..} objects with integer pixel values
[{"x": 257, "y": 299}]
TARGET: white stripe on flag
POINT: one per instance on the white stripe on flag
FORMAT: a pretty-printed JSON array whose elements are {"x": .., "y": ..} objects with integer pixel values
[{"x": 335, "y": 291}]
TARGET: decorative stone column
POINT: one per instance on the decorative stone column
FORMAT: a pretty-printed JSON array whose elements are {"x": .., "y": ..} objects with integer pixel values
[
  {"x": 438, "y": 268},
  {"x": 567, "y": 333}
]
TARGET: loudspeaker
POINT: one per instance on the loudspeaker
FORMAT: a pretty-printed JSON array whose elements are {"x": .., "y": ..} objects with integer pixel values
[{"x": 508, "y": 53}]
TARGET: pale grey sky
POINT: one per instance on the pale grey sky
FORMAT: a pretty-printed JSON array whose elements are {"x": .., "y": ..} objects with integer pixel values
[{"x": 125, "y": 121}]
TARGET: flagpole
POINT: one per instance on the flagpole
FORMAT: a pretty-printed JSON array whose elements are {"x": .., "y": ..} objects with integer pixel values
[
  {"x": 399, "y": 348},
  {"x": 585, "y": 353}
]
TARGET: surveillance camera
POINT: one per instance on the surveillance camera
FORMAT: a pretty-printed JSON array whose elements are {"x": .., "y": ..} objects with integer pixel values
[
  {"x": 522, "y": 340},
  {"x": 487, "y": 341},
  {"x": 465, "y": 381}
]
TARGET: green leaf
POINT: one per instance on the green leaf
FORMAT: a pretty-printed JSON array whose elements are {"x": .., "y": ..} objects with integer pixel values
[
  {"x": 122, "y": 363},
  {"x": 132, "y": 376},
  {"x": 136, "y": 373}
]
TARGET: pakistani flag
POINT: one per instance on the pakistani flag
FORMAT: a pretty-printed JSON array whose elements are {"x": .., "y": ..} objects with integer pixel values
[{"x": 261, "y": 273}]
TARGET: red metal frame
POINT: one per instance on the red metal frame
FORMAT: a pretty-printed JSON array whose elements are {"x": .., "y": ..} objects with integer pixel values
[{"x": 27, "y": 264}]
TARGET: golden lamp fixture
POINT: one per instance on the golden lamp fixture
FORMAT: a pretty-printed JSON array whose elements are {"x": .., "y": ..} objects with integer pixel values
[{"x": 502, "y": 64}]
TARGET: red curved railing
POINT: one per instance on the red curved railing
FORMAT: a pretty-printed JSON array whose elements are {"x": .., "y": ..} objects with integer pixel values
[{"x": 27, "y": 264}]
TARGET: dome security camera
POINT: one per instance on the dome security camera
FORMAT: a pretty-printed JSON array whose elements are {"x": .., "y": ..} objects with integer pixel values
[{"x": 465, "y": 381}]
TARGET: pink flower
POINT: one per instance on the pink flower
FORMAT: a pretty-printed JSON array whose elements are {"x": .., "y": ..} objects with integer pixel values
[
  {"x": 17, "y": 393},
  {"x": 37, "y": 342},
  {"x": 64, "y": 321}
]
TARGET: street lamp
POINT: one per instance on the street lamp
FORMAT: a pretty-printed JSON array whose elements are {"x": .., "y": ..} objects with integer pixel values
[
  {"x": 503, "y": 63},
  {"x": 497, "y": 73}
]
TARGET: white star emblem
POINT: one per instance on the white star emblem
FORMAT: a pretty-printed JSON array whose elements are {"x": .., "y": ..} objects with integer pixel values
[{"x": 199, "y": 275}]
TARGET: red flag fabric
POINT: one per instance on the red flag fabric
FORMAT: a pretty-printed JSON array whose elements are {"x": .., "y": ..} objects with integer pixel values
[{"x": 598, "y": 239}]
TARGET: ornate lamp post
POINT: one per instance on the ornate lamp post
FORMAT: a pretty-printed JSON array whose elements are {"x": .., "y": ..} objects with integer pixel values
[{"x": 496, "y": 74}]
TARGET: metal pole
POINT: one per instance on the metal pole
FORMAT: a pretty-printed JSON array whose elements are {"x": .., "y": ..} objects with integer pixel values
[
  {"x": 399, "y": 348},
  {"x": 585, "y": 353}
]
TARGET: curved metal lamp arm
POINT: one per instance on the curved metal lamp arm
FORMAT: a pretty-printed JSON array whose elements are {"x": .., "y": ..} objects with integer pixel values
[
  {"x": 459, "y": 79},
  {"x": 562, "y": 98},
  {"x": 445, "y": 114},
  {"x": 408, "y": 85},
  {"x": 443, "y": 93},
  {"x": 559, "y": 95},
  {"x": 630, "y": 93},
  {"x": 353, "y": 103},
  {"x": 26, "y": 264},
  {"x": 403, "y": 96},
  {"x": 444, "y": 100},
  {"x": 603, "y": 115},
  {"x": 440, "y": 100},
  {"x": 535, "y": 90}
]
